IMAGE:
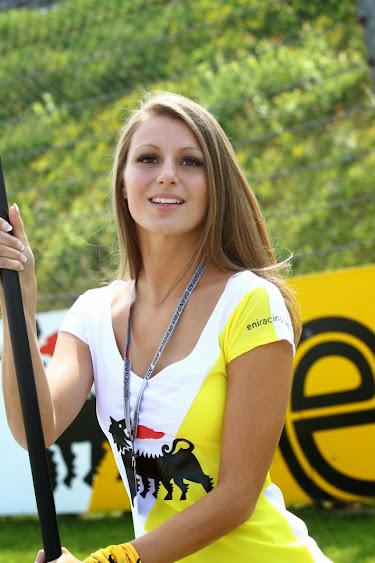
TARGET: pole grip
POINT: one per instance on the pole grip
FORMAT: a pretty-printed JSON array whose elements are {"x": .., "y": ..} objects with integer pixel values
[{"x": 29, "y": 401}]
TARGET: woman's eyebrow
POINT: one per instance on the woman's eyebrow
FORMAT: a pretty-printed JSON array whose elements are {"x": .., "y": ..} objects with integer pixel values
[
  {"x": 151, "y": 145},
  {"x": 146, "y": 145},
  {"x": 194, "y": 148}
]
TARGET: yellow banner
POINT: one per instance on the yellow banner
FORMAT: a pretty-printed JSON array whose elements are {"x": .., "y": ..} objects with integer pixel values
[{"x": 327, "y": 449}]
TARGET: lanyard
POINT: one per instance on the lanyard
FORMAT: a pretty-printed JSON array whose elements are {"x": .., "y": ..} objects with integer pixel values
[{"x": 132, "y": 430}]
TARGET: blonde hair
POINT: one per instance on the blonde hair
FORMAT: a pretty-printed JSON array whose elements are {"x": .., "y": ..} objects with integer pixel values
[{"x": 235, "y": 236}]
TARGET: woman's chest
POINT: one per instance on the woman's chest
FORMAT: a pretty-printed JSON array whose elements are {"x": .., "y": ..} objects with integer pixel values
[
  {"x": 151, "y": 335},
  {"x": 152, "y": 331}
]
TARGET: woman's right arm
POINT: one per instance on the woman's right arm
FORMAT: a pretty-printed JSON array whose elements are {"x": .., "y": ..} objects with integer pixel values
[{"x": 63, "y": 389}]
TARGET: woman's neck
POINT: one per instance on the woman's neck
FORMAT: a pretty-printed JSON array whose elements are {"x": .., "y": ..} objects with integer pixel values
[{"x": 166, "y": 270}]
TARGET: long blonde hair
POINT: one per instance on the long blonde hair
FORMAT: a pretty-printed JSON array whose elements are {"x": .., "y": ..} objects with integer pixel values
[{"x": 235, "y": 236}]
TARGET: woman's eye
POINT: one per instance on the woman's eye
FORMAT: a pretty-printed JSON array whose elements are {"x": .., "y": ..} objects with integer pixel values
[
  {"x": 192, "y": 161},
  {"x": 147, "y": 158}
]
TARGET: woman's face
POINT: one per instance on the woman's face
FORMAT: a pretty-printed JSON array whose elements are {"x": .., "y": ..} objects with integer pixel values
[{"x": 165, "y": 179}]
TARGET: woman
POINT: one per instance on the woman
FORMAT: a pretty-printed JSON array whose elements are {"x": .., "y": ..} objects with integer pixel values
[{"x": 193, "y": 407}]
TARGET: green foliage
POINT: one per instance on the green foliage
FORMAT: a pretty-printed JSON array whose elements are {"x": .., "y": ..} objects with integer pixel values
[{"x": 288, "y": 82}]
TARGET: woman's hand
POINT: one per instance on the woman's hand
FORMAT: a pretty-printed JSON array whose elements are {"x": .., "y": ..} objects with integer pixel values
[
  {"x": 15, "y": 251},
  {"x": 65, "y": 557}
]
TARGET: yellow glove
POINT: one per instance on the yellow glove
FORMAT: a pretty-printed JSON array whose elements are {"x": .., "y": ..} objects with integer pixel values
[{"x": 123, "y": 553}]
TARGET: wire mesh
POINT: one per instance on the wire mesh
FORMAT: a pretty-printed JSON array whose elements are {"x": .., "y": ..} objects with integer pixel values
[{"x": 288, "y": 82}]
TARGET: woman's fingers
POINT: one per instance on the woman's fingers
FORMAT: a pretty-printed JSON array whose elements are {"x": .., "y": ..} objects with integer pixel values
[
  {"x": 40, "y": 557},
  {"x": 14, "y": 246},
  {"x": 66, "y": 557},
  {"x": 16, "y": 222},
  {"x": 5, "y": 226},
  {"x": 12, "y": 256}
]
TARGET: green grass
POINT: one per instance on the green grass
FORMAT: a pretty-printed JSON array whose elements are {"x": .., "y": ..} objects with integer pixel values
[
  {"x": 346, "y": 536},
  {"x": 20, "y": 538}
]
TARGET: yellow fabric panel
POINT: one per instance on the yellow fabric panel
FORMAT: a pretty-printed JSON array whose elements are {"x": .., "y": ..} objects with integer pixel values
[
  {"x": 249, "y": 326},
  {"x": 203, "y": 427}
]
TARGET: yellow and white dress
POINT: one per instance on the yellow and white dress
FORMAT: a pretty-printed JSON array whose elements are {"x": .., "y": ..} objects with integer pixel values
[{"x": 181, "y": 417}]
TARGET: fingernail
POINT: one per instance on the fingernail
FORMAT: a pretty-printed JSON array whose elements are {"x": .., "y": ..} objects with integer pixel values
[
  {"x": 20, "y": 245},
  {"x": 6, "y": 227},
  {"x": 23, "y": 258},
  {"x": 17, "y": 208}
]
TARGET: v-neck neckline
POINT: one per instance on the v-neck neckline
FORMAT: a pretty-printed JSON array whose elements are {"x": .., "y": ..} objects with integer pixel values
[{"x": 190, "y": 354}]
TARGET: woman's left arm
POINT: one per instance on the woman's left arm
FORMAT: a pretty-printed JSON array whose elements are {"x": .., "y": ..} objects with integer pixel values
[{"x": 258, "y": 390}]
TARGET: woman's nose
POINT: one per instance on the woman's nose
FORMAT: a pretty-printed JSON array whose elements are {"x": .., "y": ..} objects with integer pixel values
[{"x": 167, "y": 173}]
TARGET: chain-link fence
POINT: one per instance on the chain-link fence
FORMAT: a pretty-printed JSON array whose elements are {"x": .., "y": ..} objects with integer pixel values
[{"x": 288, "y": 81}]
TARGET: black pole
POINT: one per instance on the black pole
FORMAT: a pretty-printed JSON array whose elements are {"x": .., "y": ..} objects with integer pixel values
[{"x": 29, "y": 401}]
